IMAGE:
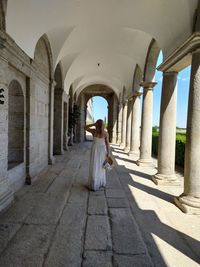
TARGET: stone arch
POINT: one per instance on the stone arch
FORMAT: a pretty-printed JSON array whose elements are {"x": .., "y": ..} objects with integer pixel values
[
  {"x": 137, "y": 79},
  {"x": 151, "y": 61},
  {"x": 15, "y": 124},
  {"x": 43, "y": 57},
  {"x": 112, "y": 99}
]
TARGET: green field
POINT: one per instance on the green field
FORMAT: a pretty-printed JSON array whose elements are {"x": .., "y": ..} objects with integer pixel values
[{"x": 180, "y": 146}]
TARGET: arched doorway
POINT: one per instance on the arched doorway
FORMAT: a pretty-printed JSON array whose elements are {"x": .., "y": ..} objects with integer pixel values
[
  {"x": 15, "y": 125},
  {"x": 103, "y": 91},
  {"x": 97, "y": 108}
]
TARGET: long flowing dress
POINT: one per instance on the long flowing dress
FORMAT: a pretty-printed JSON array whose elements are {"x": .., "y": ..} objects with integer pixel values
[{"x": 97, "y": 174}]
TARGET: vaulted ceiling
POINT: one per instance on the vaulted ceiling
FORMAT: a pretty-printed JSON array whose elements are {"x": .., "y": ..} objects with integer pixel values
[{"x": 100, "y": 41}]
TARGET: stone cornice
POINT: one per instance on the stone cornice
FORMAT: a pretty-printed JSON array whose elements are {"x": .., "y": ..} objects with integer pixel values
[
  {"x": 181, "y": 57},
  {"x": 134, "y": 94}
]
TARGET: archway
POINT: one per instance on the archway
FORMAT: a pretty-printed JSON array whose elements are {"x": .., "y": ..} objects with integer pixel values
[
  {"x": 97, "y": 108},
  {"x": 15, "y": 125},
  {"x": 98, "y": 90}
]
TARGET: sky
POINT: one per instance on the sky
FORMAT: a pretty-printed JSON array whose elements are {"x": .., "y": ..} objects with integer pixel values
[{"x": 101, "y": 110}]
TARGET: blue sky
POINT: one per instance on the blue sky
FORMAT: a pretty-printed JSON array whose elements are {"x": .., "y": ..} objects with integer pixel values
[{"x": 100, "y": 104}]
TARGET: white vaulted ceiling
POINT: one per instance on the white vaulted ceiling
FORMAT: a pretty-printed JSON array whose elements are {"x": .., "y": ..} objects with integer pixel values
[{"x": 114, "y": 33}]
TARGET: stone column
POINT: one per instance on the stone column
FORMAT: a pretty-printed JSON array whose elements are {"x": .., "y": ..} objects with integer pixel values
[
  {"x": 146, "y": 127},
  {"x": 189, "y": 201},
  {"x": 124, "y": 120},
  {"x": 65, "y": 122},
  {"x": 51, "y": 158},
  {"x": 167, "y": 132},
  {"x": 119, "y": 129},
  {"x": 135, "y": 126},
  {"x": 114, "y": 132},
  {"x": 128, "y": 126}
]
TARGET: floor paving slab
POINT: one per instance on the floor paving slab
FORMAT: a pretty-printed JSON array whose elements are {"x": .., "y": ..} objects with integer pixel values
[
  {"x": 125, "y": 234},
  {"x": 67, "y": 245},
  {"x": 47, "y": 211},
  {"x": 141, "y": 260},
  {"x": 97, "y": 259},
  {"x": 115, "y": 193},
  {"x": 28, "y": 247},
  {"x": 117, "y": 203},
  {"x": 98, "y": 236},
  {"x": 97, "y": 205},
  {"x": 7, "y": 232}
]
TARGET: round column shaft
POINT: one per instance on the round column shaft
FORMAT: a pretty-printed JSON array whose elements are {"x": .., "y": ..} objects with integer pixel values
[
  {"x": 146, "y": 127},
  {"x": 119, "y": 131},
  {"x": 189, "y": 201},
  {"x": 135, "y": 126},
  {"x": 124, "y": 120},
  {"x": 128, "y": 126},
  {"x": 167, "y": 131}
]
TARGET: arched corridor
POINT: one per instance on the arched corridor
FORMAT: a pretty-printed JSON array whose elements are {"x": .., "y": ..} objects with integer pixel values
[
  {"x": 55, "y": 56},
  {"x": 59, "y": 222}
]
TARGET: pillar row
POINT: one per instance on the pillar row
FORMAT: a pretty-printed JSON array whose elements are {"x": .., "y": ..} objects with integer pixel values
[
  {"x": 167, "y": 132},
  {"x": 128, "y": 126},
  {"x": 124, "y": 121},
  {"x": 135, "y": 126},
  {"x": 189, "y": 201},
  {"x": 119, "y": 129},
  {"x": 146, "y": 127}
]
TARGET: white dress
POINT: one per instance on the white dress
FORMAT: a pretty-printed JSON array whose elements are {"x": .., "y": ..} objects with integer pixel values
[{"x": 97, "y": 174}]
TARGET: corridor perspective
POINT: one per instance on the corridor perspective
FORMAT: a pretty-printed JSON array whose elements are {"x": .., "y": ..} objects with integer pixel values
[
  {"x": 59, "y": 222},
  {"x": 58, "y": 58}
]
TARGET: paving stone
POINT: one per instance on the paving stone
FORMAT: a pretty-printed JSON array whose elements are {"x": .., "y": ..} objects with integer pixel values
[
  {"x": 117, "y": 203},
  {"x": 47, "y": 210},
  {"x": 18, "y": 212},
  {"x": 97, "y": 259},
  {"x": 43, "y": 182},
  {"x": 98, "y": 236},
  {"x": 125, "y": 233},
  {"x": 79, "y": 194},
  {"x": 28, "y": 247},
  {"x": 66, "y": 249},
  {"x": 97, "y": 205},
  {"x": 7, "y": 231},
  {"x": 141, "y": 260},
  {"x": 115, "y": 193},
  {"x": 100, "y": 192}
]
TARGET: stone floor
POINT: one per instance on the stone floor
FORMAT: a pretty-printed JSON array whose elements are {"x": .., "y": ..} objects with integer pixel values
[{"x": 133, "y": 223}]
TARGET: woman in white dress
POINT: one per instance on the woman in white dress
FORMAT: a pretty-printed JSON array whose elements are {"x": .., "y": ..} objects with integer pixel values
[{"x": 98, "y": 154}]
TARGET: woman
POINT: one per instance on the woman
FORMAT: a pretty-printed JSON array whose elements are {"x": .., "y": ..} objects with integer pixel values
[{"x": 99, "y": 152}]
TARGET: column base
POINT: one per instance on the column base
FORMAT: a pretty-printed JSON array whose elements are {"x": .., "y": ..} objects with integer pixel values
[
  {"x": 28, "y": 180},
  {"x": 126, "y": 149},
  {"x": 122, "y": 145},
  {"x": 133, "y": 153},
  {"x": 188, "y": 204},
  {"x": 162, "y": 179},
  {"x": 145, "y": 163},
  {"x": 118, "y": 142},
  {"x": 52, "y": 161}
]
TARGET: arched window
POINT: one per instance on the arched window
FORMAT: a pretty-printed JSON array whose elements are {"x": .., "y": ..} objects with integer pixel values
[{"x": 15, "y": 125}]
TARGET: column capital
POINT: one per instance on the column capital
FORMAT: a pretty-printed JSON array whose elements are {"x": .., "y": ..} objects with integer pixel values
[
  {"x": 165, "y": 73},
  {"x": 136, "y": 94},
  {"x": 148, "y": 85}
]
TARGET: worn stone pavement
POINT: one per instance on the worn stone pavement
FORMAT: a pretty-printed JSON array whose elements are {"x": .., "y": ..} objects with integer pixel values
[{"x": 132, "y": 223}]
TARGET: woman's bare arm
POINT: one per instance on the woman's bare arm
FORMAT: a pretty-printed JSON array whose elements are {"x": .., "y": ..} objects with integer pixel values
[
  {"x": 89, "y": 129},
  {"x": 107, "y": 144}
]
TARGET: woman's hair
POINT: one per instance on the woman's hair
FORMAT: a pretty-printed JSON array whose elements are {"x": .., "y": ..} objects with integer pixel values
[{"x": 99, "y": 127}]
